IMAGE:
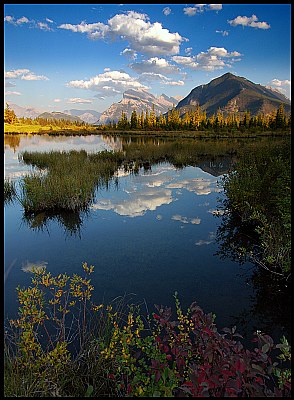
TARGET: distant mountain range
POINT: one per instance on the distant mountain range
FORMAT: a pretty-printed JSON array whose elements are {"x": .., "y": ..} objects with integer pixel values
[
  {"x": 138, "y": 100},
  {"x": 28, "y": 112},
  {"x": 89, "y": 116},
  {"x": 59, "y": 115},
  {"x": 227, "y": 93},
  {"x": 230, "y": 93}
]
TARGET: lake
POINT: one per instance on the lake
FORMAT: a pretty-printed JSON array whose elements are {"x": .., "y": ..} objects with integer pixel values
[{"x": 147, "y": 234}]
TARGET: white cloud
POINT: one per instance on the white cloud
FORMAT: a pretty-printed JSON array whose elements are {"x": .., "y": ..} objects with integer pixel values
[
  {"x": 142, "y": 35},
  {"x": 163, "y": 80},
  {"x": 31, "y": 23},
  {"x": 224, "y": 33},
  {"x": 154, "y": 65},
  {"x": 9, "y": 93},
  {"x": 166, "y": 10},
  {"x": 23, "y": 20},
  {"x": 32, "y": 77},
  {"x": 199, "y": 8},
  {"x": 57, "y": 100},
  {"x": 249, "y": 21},
  {"x": 215, "y": 7},
  {"x": 78, "y": 100},
  {"x": 210, "y": 60},
  {"x": 9, "y": 18},
  {"x": 279, "y": 83},
  {"x": 190, "y": 11},
  {"x": 24, "y": 74},
  {"x": 109, "y": 83},
  {"x": 129, "y": 53},
  {"x": 282, "y": 86},
  {"x": 44, "y": 26}
]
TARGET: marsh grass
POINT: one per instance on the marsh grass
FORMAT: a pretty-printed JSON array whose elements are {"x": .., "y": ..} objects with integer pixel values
[
  {"x": 9, "y": 191},
  {"x": 69, "y": 180},
  {"x": 65, "y": 180}
]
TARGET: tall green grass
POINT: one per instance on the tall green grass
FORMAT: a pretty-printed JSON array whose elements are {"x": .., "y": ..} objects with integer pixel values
[{"x": 65, "y": 180}]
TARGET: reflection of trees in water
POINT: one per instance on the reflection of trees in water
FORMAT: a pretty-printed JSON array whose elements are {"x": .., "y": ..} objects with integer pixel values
[
  {"x": 12, "y": 141},
  {"x": 271, "y": 303},
  {"x": 70, "y": 221}
]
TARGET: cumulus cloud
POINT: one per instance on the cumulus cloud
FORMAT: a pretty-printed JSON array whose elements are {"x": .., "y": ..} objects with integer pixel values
[
  {"x": 129, "y": 53},
  {"x": 24, "y": 74},
  {"x": 166, "y": 10},
  {"x": 214, "y": 58},
  {"x": 279, "y": 83},
  {"x": 57, "y": 100},
  {"x": 149, "y": 77},
  {"x": 31, "y": 23},
  {"x": 142, "y": 35},
  {"x": 154, "y": 65},
  {"x": 199, "y": 8},
  {"x": 44, "y": 26},
  {"x": 282, "y": 86},
  {"x": 249, "y": 21},
  {"x": 78, "y": 100},
  {"x": 109, "y": 83}
]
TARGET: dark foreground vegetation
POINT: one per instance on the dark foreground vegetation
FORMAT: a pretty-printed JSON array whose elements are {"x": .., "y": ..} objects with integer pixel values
[{"x": 62, "y": 344}]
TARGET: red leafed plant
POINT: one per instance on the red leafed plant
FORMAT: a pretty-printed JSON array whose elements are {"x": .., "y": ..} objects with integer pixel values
[{"x": 217, "y": 365}]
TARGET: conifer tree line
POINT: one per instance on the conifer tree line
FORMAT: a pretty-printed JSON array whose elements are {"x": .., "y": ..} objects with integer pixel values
[{"x": 197, "y": 119}]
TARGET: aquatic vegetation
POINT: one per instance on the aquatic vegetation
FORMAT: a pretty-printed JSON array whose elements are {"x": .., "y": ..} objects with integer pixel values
[
  {"x": 9, "y": 191},
  {"x": 70, "y": 179},
  {"x": 259, "y": 200}
]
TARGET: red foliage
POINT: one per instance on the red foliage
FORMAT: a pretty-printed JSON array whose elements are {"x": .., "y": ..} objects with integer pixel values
[{"x": 217, "y": 364}]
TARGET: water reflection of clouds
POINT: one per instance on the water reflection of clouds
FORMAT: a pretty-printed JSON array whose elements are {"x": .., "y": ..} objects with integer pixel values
[
  {"x": 200, "y": 186},
  {"x": 209, "y": 240},
  {"x": 185, "y": 220},
  {"x": 216, "y": 212},
  {"x": 33, "y": 266},
  {"x": 138, "y": 202},
  {"x": 148, "y": 191}
]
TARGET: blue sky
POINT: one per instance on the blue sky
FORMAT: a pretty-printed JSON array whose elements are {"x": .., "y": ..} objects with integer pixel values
[{"x": 63, "y": 56}]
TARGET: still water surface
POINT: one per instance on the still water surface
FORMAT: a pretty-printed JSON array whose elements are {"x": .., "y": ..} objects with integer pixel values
[{"x": 149, "y": 235}]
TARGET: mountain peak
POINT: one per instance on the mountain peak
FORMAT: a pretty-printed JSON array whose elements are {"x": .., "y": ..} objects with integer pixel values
[{"x": 231, "y": 93}]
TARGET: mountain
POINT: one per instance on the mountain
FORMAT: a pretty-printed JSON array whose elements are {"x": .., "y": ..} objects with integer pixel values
[
  {"x": 138, "y": 100},
  {"x": 88, "y": 116},
  {"x": 59, "y": 115},
  {"x": 231, "y": 93},
  {"x": 23, "y": 112}
]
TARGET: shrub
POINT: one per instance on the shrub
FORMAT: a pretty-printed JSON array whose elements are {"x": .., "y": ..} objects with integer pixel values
[{"x": 119, "y": 352}]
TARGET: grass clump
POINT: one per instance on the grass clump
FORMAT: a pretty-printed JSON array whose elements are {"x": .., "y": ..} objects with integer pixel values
[
  {"x": 62, "y": 344},
  {"x": 65, "y": 180},
  {"x": 9, "y": 191}
]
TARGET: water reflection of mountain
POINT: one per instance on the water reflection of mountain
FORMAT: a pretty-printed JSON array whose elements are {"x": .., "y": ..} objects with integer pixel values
[{"x": 216, "y": 168}]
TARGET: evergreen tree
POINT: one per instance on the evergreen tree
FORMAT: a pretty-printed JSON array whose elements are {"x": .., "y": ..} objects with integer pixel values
[{"x": 9, "y": 115}]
